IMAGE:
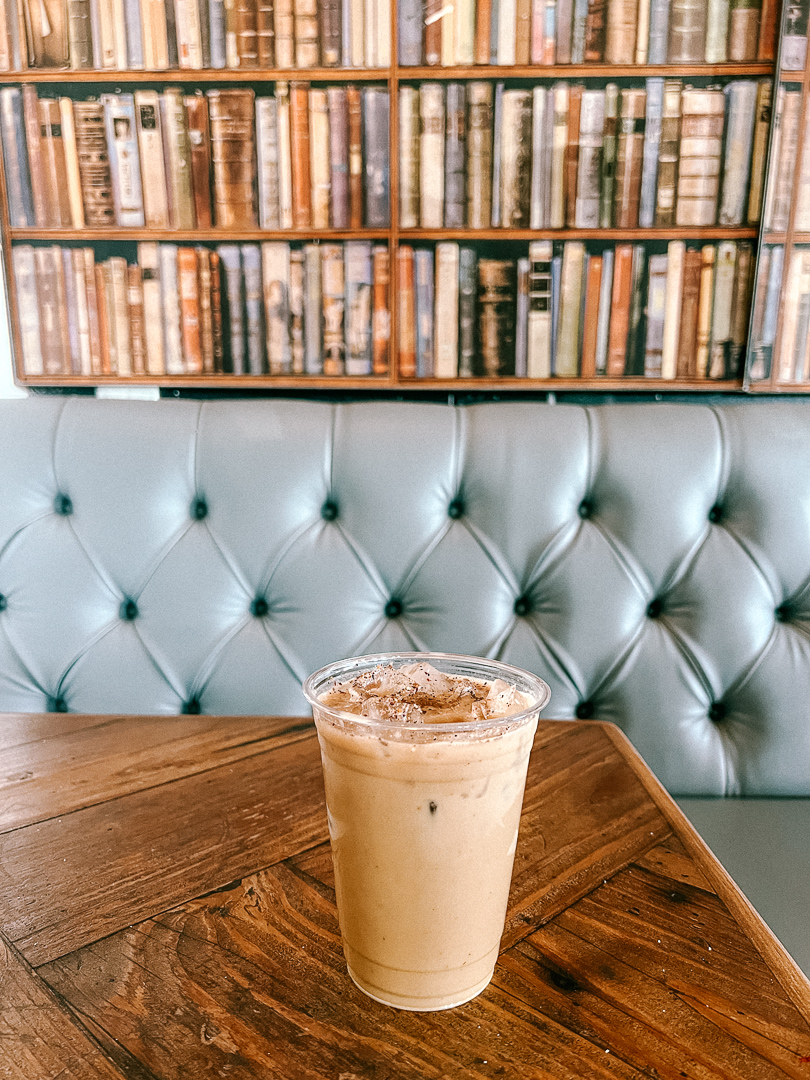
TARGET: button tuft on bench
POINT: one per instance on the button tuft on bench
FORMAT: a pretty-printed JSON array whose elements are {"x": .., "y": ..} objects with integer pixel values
[
  {"x": 191, "y": 708},
  {"x": 456, "y": 509},
  {"x": 717, "y": 711},
  {"x": 63, "y": 505},
  {"x": 199, "y": 509},
  {"x": 584, "y": 711},
  {"x": 259, "y": 607},
  {"x": 523, "y": 605},
  {"x": 3, "y": 602},
  {"x": 329, "y": 510},
  {"x": 716, "y": 514},
  {"x": 393, "y": 609},
  {"x": 586, "y": 509},
  {"x": 654, "y": 608},
  {"x": 128, "y": 610}
]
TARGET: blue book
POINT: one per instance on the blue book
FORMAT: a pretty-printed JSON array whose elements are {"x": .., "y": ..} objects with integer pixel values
[
  {"x": 132, "y": 22},
  {"x": 409, "y": 32},
  {"x": 231, "y": 260},
  {"x": 254, "y": 300},
  {"x": 652, "y": 143},
  {"x": 216, "y": 32},
  {"x": 15, "y": 159},
  {"x": 580, "y": 17},
  {"x": 659, "y": 32},
  {"x": 556, "y": 276},
  {"x": 423, "y": 276}
]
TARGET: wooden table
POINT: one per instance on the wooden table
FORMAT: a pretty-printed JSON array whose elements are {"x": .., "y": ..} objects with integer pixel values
[{"x": 167, "y": 911}]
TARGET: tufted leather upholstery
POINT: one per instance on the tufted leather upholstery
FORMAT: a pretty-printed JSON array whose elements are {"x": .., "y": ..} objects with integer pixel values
[{"x": 651, "y": 561}]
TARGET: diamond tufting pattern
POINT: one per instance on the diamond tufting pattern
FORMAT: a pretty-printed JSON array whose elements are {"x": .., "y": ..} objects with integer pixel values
[{"x": 652, "y": 562}]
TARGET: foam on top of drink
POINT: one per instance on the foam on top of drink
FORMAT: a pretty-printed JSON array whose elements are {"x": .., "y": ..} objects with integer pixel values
[{"x": 419, "y": 694}]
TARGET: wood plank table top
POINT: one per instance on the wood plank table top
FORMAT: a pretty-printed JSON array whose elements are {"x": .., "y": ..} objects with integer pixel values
[{"x": 167, "y": 912}]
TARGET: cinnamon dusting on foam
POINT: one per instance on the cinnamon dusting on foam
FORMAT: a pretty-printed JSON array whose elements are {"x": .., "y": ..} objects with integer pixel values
[{"x": 419, "y": 694}]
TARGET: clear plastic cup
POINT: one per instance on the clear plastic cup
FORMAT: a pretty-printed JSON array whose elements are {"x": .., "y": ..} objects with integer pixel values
[{"x": 423, "y": 820}]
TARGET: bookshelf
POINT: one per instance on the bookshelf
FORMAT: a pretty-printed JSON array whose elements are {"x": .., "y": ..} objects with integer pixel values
[
  {"x": 497, "y": 244},
  {"x": 778, "y": 360}
]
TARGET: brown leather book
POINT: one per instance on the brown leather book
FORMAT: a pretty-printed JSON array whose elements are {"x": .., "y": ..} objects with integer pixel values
[
  {"x": 406, "y": 313},
  {"x": 57, "y": 192},
  {"x": 47, "y": 33},
  {"x": 590, "y": 319},
  {"x": 572, "y": 154},
  {"x": 93, "y": 323},
  {"x": 353, "y": 97},
  {"x": 306, "y": 33},
  {"x": 35, "y": 165},
  {"x": 137, "y": 334},
  {"x": 204, "y": 293},
  {"x": 217, "y": 334},
  {"x": 497, "y": 294},
  {"x": 483, "y": 31},
  {"x": 247, "y": 33},
  {"x": 433, "y": 33},
  {"x": 620, "y": 36},
  {"x": 266, "y": 34},
  {"x": 768, "y": 23},
  {"x": 103, "y": 321},
  {"x": 629, "y": 158},
  {"x": 189, "y": 296},
  {"x": 523, "y": 31},
  {"x": 319, "y": 164},
  {"x": 595, "y": 30},
  {"x": 331, "y": 32},
  {"x": 51, "y": 314},
  {"x": 620, "y": 310},
  {"x": 690, "y": 300},
  {"x": 743, "y": 30},
  {"x": 300, "y": 150},
  {"x": 232, "y": 156},
  {"x": 380, "y": 319},
  {"x": 200, "y": 139},
  {"x": 94, "y": 164}
]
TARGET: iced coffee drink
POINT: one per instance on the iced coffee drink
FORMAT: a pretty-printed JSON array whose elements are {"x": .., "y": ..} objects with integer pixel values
[{"x": 424, "y": 759}]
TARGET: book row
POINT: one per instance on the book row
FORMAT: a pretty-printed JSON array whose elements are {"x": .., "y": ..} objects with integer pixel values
[
  {"x": 156, "y": 35},
  {"x": 304, "y": 158},
  {"x": 506, "y": 32},
  {"x": 566, "y": 311},
  {"x": 249, "y": 309},
  {"x": 482, "y": 156},
  {"x": 781, "y": 290}
]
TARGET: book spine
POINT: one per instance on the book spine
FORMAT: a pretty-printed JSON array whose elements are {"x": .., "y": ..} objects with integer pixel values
[
  {"x": 50, "y": 316},
  {"x": 106, "y": 325},
  {"x": 562, "y": 31},
  {"x": 339, "y": 156},
  {"x": 620, "y": 309},
  {"x": 687, "y": 32},
  {"x": 153, "y": 172},
  {"x": 333, "y": 293},
  {"x": 516, "y": 158},
  {"x": 567, "y": 351},
  {"x": 479, "y": 155},
  {"x": 704, "y": 321},
  {"x": 134, "y": 313},
  {"x": 80, "y": 43},
  {"x": 595, "y": 31},
  {"x": 134, "y": 37},
  {"x": 559, "y": 145},
  {"x": 330, "y": 30},
  {"x": 115, "y": 284},
  {"x": 170, "y": 298},
  {"x": 651, "y": 152},
  {"x": 537, "y": 201},
  {"x": 254, "y": 327},
  {"x": 246, "y": 28},
  {"x": 306, "y": 33},
  {"x": 467, "y": 292},
  {"x": 34, "y": 174},
  {"x": 636, "y": 333},
  {"x": 383, "y": 24},
  {"x": 355, "y": 136},
  {"x": 265, "y": 34},
  {"x": 359, "y": 285},
  {"x": 446, "y": 312},
  {"x": 717, "y": 12},
  {"x": 149, "y": 263},
  {"x": 217, "y": 321},
  {"x": 590, "y": 320},
  {"x": 431, "y": 155},
  {"x": 409, "y": 32},
  {"x": 231, "y": 262},
  {"x": 454, "y": 157},
  {"x": 668, "y": 154},
  {"x": 74, "y": 183},
  {"x": 358, "y": 33},
  {"x": 589, "y": 165},
  {"x": 94, "y": 165},
  {"x": 556, "y": 275},
  {"x": 267, "y": 153},
  {"x": 299, "y": 141},
  {"x": 743, "y": 30},
  {"x": 284, "y": 26},
  {"x": 313, "y": 310},
  {"x": 538, "y": 360},
  {"x": 204, "y": 285},
  {"x": 93, "y": 320},
  {"x": 189, "y": 300},
  {"x": 408, "y": 157},
  {"x": 375, "y": 154},
  {"x": 655, "y": 317},
  {"x": 605, "y": 304},
  {"x": 742, "y": 95},
  {"x": 759, "y": 153},
  {"x": 620, "y": 39},
  {"x": 296, "y": 306},
  {"x": 231, "y": 118},
  {"x": 768, "y": 30},
  {"x": 724, "y": 274},
  {"x": 319, "y": 163},
  {"x": 25, "y": 280},
  {"x": 189, "y": 40},
  {"x": 522, "y": 318},
  {"x": 659, "y": 32},
  {"x": 177, "y": 159},
  {"x": 610, "y": 145},
  {"x": 276, "y": 293},
  {"x": 54, "y": 164},
  {"x": 579, "y": 27},
  {"x": 572, "y": 152},
  {"x": 154, "y": 34},
  {"x": 67, "y": 305},
  {"x": 285, "y": 182},
  {"x": 629, "y": 158},
  {"x": 507, "y": 31},
  {"x": 497, "y": 294},
  {"x": 741, "y": 307},
  {"x": 82, "y": 311},
  {"x": 125, "y": 167},
  {"x": 483, "y": 30},
  {"x": 702, "y": 113},
  {"x": 676, "y": 252},
  {"x": 687, "y": 331},
  {"x": 406, "y": 312},
  {"x": 423, "y": 273},
  {"x": 381, "y": 318}
]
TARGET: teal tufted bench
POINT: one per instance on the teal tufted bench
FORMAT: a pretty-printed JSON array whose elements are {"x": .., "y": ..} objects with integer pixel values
[{"x": 651, "y": 561}]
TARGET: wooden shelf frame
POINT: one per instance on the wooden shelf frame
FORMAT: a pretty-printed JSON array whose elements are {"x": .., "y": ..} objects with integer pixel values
[{"x": 393, "y": 77}]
